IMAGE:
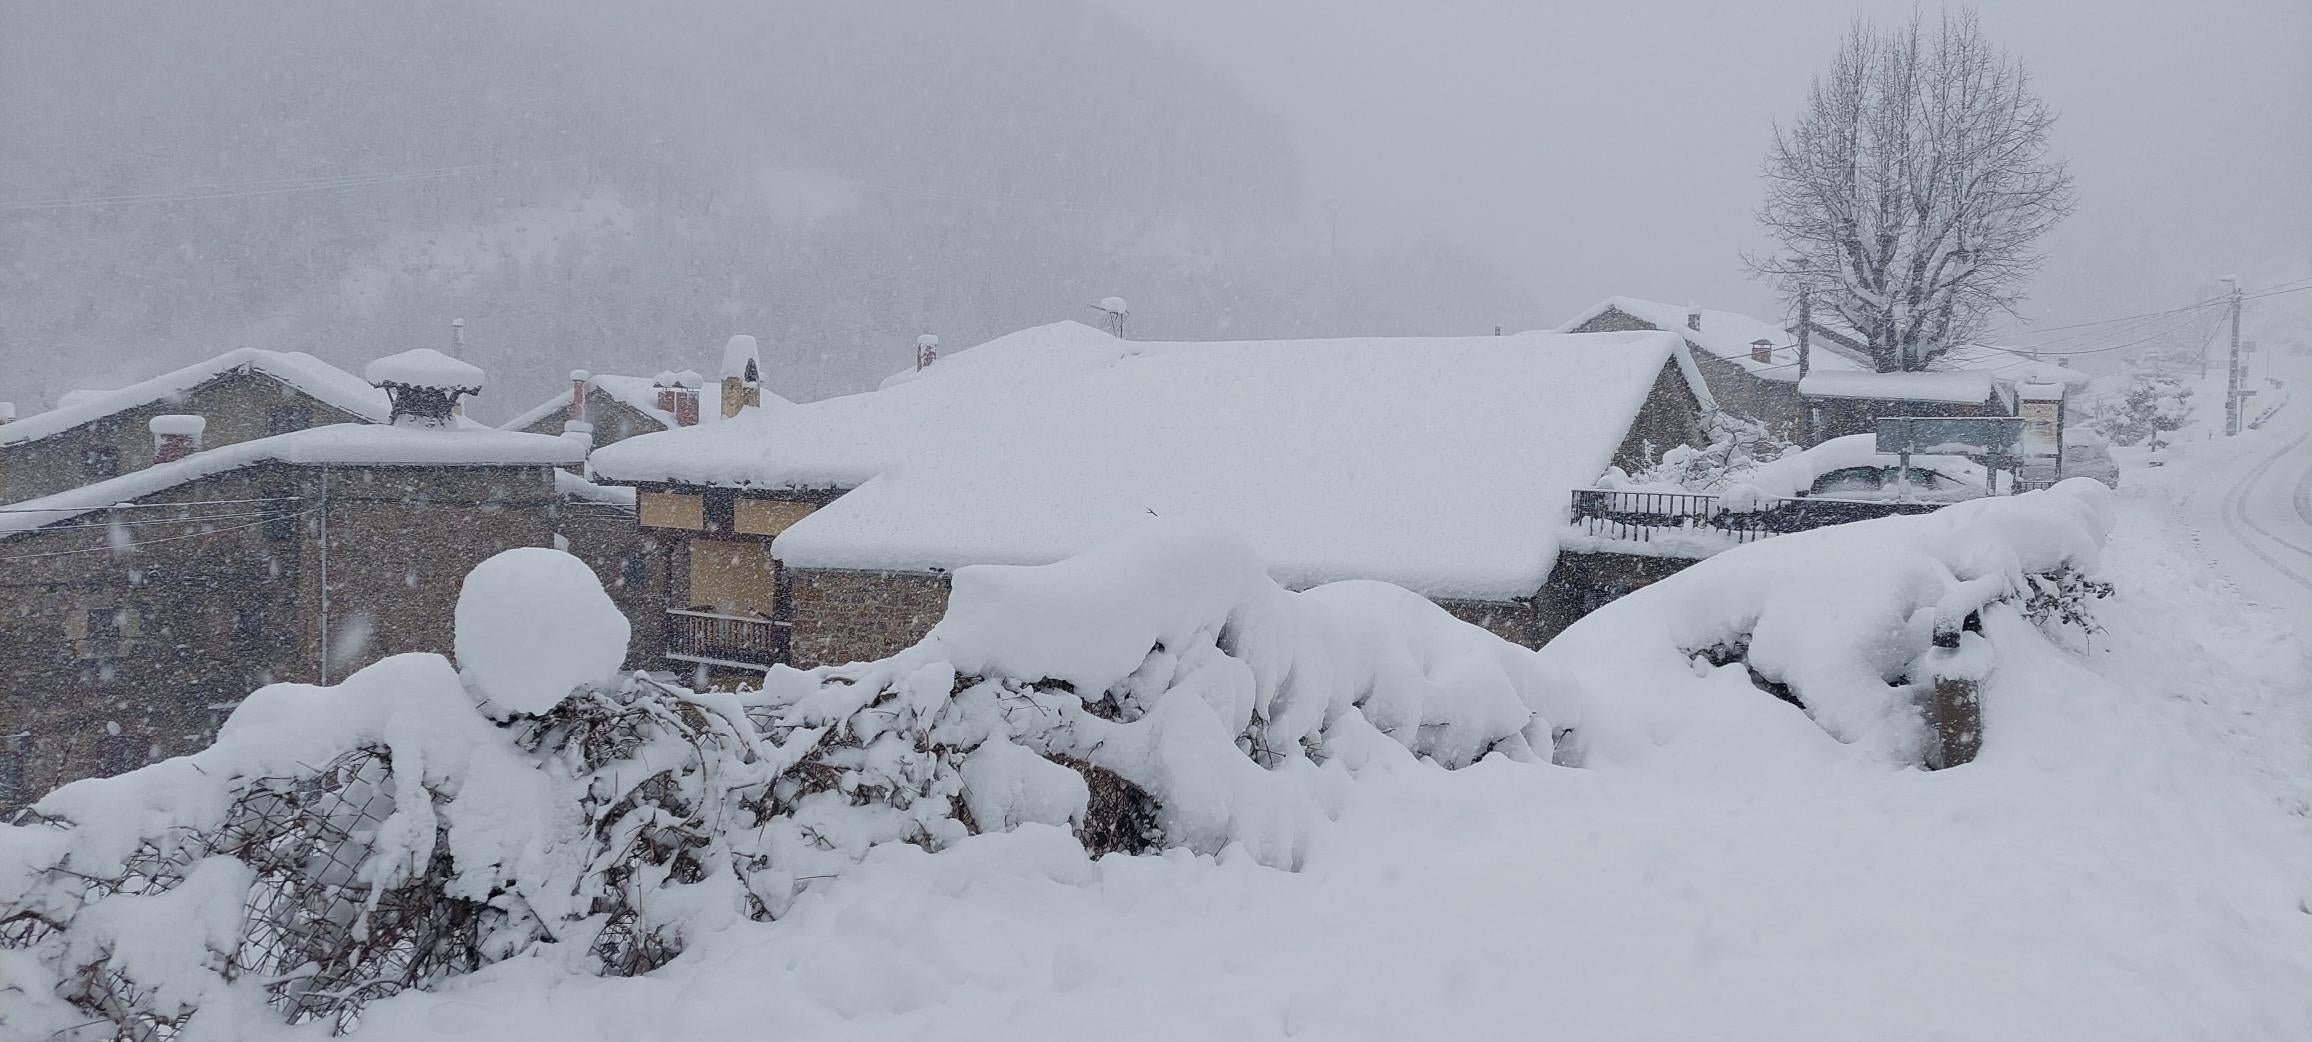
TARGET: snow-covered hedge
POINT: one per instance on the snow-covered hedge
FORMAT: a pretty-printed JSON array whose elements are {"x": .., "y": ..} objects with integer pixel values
[
  {"x": 1841, "y": 621},
  {"x": 420, "y": 820}
]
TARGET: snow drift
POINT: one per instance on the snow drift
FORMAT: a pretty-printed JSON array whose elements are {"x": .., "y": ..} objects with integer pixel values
[{"x": 414, "y": 823}]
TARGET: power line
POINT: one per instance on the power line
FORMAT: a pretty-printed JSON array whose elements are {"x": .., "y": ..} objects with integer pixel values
[
  {"x": 165, "y": 539},
  {"x": 150, "y": 521},
  {"x": 148, "y": 506}
]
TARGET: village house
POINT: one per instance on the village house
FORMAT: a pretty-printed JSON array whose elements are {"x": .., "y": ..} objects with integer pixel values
[
  {"x": 615, "y": 408},
  {"x": 143, "y": 607},
  {"x": 241, "y": 395},
  {"x": 1752, "y": 366},
  {"x": 1827, "y": 387},
  {"x": 825, "y": 532}
]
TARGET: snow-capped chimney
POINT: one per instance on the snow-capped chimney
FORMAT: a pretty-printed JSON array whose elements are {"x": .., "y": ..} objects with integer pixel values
[
  {"x": 742, "y": 375},
  {"x": 686, "y": 385},
  {"x": 1762, "y": 350},
  {"x": 663, "y": 383},
  {"x": 577, "y": 410},
  {"x": 176, "y": 437},
  {"x": 926, "y": 351},
  {"x": 424, "y": 385},
  {"x": 1694, "y": 317}
]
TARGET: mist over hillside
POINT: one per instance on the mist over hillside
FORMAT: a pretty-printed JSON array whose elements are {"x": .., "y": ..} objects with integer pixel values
[{"x": 620, "y": 188}]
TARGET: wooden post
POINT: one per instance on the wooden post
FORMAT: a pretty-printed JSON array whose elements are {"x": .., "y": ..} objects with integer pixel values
[{"x": 1954, "y": 708}]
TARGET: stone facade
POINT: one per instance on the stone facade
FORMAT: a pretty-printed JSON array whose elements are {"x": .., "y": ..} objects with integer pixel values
[
  {"x": 845, "y": 615},
  {"x": 632, "y": 564},
  {"x": 124, "y": 642},
  {"x": 1580, "y": 584},
  {"x": 614, "y": 421},
  {"x": 239, "y": 406},
  {"x": 1671, "y": 415},
  {"x": 1775, "y": 403}
]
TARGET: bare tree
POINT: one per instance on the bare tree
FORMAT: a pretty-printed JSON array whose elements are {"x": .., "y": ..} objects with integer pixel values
[{"x": 1911, "y": 192}]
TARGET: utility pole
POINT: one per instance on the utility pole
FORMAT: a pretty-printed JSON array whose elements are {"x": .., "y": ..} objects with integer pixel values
[
  {"x": 2232, "y": 376},
  {"x": 1805, "y": 330}
]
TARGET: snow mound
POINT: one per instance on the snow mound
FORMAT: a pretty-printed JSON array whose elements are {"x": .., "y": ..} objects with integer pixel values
[
  {"x": 533, "y": 624},
  {"x": 1842, "y": 621}
]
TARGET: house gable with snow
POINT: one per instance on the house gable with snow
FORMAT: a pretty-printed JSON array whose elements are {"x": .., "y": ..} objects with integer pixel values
[
  {"x": 1752, "y": 366},
  {"x": 239, "y": 395},
  {"x": 144, "y": 606},
  {"x": 825, "y": 531}
]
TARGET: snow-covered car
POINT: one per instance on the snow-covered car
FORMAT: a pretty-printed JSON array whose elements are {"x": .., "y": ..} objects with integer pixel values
[
  {"x": 1886, "y": 481},
  {"x": 2087, "y": 456},
  {"x": 1852, "y": 468}
]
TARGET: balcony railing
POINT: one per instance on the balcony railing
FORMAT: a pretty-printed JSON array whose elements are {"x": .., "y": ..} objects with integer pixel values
[
  {"x": 1645, "y": 516},
  {"x": 718, "y": 639}
]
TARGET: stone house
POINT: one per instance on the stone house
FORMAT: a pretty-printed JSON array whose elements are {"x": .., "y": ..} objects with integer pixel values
[
  {"x": 825, "y": 532},
  {"x": 1752, "y": 366},
  {"x": 142, "y": 608},
  {"x": 241, "y": 395}
]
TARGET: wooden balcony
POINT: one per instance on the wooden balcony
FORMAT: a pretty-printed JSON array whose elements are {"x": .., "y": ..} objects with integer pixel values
[{"x": 717, "y": 639}]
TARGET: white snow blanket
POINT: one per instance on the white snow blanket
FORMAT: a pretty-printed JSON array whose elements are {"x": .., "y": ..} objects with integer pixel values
[
  {"x": 294, "y": 369},
  {"x": 1441, "y": 464}
]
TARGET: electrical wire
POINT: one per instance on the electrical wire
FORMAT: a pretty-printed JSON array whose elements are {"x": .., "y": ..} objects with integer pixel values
[
  {"x": 149, "y": 506},
  {"x": 165, "y": 539},
  {"x": 150, "y": 521}
]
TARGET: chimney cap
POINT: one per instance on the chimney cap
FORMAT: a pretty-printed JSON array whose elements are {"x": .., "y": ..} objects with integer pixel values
[
  {"x": 686, "y": 378},
  {"x": 927, "y": 340},
  {"x": 424, "y": 367},
  {"x": 578, "y": 375},
  {"x": 187, "y": 425},
  {"x": 741, "y": 358}
]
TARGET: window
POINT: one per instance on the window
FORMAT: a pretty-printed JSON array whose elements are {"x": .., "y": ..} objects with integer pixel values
[
  {"x": 249, "y": 624},
  {"x": 634, "y": 571}
]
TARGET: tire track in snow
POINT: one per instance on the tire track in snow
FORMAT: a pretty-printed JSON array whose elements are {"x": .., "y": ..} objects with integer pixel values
[{"x": 2241, "y": 524}]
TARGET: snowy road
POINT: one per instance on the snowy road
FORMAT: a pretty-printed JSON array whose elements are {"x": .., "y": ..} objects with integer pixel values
[{"x": 2247, "y": 503}]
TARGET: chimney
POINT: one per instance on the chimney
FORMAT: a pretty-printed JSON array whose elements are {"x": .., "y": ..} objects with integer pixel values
[
  {"x": 1694, "y": 317},
  {"x": 578, "y": 378},
  {"x": 742, "y": 375},
  {"x": 424, "y": 386},
  {"x": 686, "y": 384},
  {"x": 176, "y": 437},
  {"x": 663, "y": 383},
  {"x": 1762, "y": 350},
  {"x": 926, "y": 351},
  {"x": 580, "y": 432}
]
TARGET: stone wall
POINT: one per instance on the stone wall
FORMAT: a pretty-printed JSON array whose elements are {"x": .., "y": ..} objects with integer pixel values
[
  {"x": 1774, "y": 403},
  {"x": 239, "y": 406},
  {"x": 845, "y": 615},
  {"x": 632, "y": 566},
  {"x": 118, "y": 644},
  {"x": 1578, "y": 585},
  {"x": 1671, "y": 415},
  {"x": 614, "y": 421}
]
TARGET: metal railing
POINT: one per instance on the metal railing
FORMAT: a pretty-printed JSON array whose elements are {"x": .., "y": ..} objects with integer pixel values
[
  {"x": 1644, "y": 516},
  {"x": 719, "y": 639}
]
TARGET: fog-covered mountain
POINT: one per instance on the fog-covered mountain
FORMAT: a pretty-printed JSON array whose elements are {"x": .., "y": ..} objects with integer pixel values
[{"x": 622, "y": 186}]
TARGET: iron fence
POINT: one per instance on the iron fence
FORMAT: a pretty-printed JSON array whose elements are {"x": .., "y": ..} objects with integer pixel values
[
  {"x": 1645, "y": 516},
  {"x": 716, "y": 638}
]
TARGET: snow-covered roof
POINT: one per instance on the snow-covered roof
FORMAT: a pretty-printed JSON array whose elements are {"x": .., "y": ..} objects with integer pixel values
[
  {"x": 1728, "y": 335},
  {"x": 1968, "y": 387},
  {"x": 297, "y": 369},
  {"x": 1441, "y": 464},
  {"x": 639, "y": 393},
  {"x": 2006, "y": 365},
  {"x": 347, "y": 443},
  {"x": 424, "y": 367}
]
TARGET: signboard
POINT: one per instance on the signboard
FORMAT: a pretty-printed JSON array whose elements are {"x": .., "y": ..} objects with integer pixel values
[
  {"x": 1951, "y": 435},
  {"x": 2042, "y": 428}
]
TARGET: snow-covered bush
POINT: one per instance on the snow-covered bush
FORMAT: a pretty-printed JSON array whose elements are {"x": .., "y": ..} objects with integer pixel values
[
  {"x": 2156, "y": 398},
  {"x": 1737, "y": 446},
  {"x": 417, "y": 821},
  {"x": 1851, "y": 624}
]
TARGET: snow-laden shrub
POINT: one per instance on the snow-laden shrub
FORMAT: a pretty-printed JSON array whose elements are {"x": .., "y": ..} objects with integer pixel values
[
  {"x": 1737, "y": 447},
  {"x": 1843, "y": 622},
  {"x": 339, "y": 844}
]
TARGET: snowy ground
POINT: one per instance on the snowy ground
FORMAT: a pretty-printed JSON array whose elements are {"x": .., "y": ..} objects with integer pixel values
[{"x": 2130, "y": 858}]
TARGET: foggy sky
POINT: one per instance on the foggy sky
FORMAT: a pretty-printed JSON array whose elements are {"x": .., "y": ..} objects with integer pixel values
[{"x": 1601, "y": 148}]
